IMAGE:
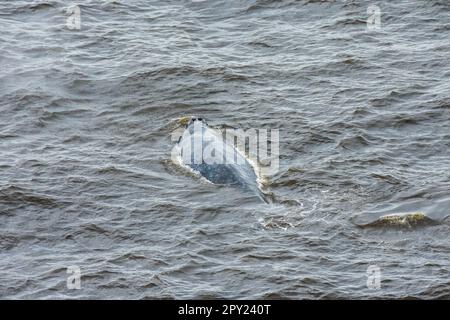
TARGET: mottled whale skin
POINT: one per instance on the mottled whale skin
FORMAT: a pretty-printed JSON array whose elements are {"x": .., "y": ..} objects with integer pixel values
[{"x": 226, "y": 166}]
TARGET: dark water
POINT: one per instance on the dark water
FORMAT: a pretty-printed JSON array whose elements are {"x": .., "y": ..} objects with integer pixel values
[{"x": 86, "y": 174}]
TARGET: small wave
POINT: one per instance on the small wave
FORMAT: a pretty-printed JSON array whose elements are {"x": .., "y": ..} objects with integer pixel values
[
  {"x": 33, "y": 7},
  {"x": 349, "y": 21},
  {"x": 354, "y": 142},
  {"x": 13, "y": 194},
  {"x": 8, "y": 241}
]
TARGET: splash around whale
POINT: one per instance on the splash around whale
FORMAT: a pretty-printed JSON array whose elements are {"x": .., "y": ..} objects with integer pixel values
[{"x": 206, "y": 152}]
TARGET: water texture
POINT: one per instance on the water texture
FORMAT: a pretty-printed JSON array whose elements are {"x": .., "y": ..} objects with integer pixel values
[{"x": 87, "y": 180}]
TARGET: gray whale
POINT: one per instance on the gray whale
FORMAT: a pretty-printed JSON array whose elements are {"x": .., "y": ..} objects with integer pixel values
[{"x": 206, "y": 152}]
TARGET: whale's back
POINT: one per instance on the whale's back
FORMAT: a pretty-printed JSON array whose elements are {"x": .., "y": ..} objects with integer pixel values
[
  {"x": 229, "y": 166},
  {"x": 241, "y": 176}
]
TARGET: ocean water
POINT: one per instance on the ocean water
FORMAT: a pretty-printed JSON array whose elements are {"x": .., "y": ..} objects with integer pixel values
[{"x": 87, "y": 179}]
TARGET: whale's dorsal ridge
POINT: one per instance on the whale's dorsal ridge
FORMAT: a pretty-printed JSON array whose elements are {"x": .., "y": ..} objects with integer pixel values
[{"x": 218, "y": 167}]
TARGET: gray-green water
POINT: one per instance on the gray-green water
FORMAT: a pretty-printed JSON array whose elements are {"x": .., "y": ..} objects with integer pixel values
[{"x": 86, "y": 177}]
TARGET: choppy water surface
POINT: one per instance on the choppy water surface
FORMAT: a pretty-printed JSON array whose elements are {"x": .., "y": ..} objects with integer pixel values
[{"x": 86, "y": 174}]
